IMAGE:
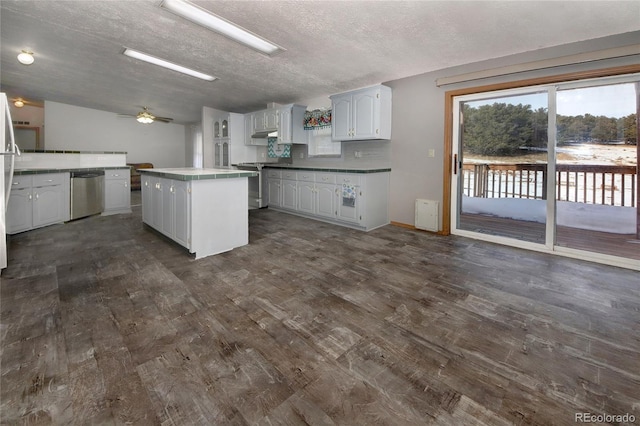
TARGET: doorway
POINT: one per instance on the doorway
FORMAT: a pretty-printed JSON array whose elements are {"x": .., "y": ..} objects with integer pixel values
[{"x": 550, "y": 168}]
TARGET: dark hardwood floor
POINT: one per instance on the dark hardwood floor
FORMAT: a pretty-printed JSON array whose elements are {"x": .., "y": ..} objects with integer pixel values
[{"x": 104, "y": 321}]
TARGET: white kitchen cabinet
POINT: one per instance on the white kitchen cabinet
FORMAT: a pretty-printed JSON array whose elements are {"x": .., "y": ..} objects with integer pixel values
[
  {"x": 274, "y": 187},
  {"x": 358, "y": 200},
  {"x": 290, "y": 120},
  {"x": 182, "y": 212},
  {"x": 249, "y": 128},
  {"x": 19, "y": 212},
  {"x": 38, "y": 200},
  {"x": 147, "y": 190},
  {"x": 289, "y": 194},
  {"x": 228, "y": 138},
  {"x": 207, "y": 215},
  {"x": 167, "y": 226},
  {"x": 362, "y": 114},
  {"x": 117, "y": 191},
  {"x": 265, "y": 120}
]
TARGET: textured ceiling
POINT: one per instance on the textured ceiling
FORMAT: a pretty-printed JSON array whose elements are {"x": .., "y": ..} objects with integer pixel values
[{"x": 331, "y": 46}]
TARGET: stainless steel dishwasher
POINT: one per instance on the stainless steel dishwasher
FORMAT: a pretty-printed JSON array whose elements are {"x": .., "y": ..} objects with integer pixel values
[{"x": 87, "y": 193}]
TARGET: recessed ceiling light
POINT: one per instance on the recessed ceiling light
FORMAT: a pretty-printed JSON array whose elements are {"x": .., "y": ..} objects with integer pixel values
[
  {"x": 26, "y": 57},
  {"x": 220, "y": 25},
  {"x": 166, "y": 64}
]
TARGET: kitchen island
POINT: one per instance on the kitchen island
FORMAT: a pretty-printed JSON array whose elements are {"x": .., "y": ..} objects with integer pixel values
[{"x": 204, "y": 210}]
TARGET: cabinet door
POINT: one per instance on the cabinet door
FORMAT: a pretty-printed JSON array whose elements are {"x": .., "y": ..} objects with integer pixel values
[
  {"x": 156, "y": 203},
  {"x": 326, "y": 200},
  {"x": 182, "y": 212},
  {"x": 284, "y": 125},
  {"x": 364, "y": 115},
  {"x": 117, "y": 195},
  {"x": 19, "y": 211},
  {"x": 348, "y": 203},
  {"x": 168, "y": 204},
  {"x": 258, "y": 121},
  {"x": 289, "y": 194},
  {"x": 48, "y": 205},
  {"x": 306, "y": 197},
  {"x": 274, "y": 195},
  {"x": 271, "y": 119},
  {"x": 341, "y": 118},
  {"x": 147, "y": 198}
]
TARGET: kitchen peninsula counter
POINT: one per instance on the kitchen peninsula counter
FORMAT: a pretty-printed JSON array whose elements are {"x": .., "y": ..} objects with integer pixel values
[
  {"x": 204, "y": 210},
  {"x": 329, "y": 169}
]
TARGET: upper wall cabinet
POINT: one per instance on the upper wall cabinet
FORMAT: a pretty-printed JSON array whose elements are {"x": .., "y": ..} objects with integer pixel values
[
  {"x": 290, "y": 119},
  {"x": 362, "y": 114}
]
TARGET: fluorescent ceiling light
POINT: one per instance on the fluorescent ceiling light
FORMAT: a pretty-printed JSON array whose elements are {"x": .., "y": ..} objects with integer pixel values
[
  {"x": 220, "y": 25},
  {"x": 166, "y": 64}
]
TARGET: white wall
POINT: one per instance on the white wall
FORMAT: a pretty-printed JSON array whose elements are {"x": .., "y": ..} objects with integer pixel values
[{"x": 69, "y": 127}]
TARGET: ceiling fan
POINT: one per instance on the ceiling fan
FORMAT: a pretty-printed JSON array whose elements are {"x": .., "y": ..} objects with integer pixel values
[
  {"x": 19, "y": 102},
  {"x": 145, "y": 117}
]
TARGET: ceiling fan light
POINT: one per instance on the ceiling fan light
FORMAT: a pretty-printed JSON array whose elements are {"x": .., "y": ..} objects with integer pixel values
[
  {"x": 166, "y": 64},
  {"x": 19, "y": 103},
  {"x": 220, "y": 25},
  {"x": 25, "y": 57},
  {"x": 145, "y": 117}
]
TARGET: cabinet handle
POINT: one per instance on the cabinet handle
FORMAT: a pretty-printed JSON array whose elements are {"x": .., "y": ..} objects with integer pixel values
[
  {"x": 30, "y": 197},
  {"x": 49, "y": 180},
  {"x": 37, "y": 196},
  {"x": 115, "y": 175},
  {"x": 125, "y": 185},
  {"x": 16, "y": 183}
]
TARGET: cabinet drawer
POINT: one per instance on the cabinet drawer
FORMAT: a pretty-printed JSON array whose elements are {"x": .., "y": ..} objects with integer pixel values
[
  {"x": 273, "y": 174},
  {"x": 117, "y": 174},
  {"x": 288, "y": 174},
  {"x": 21, "y": 182},
  {"x": 306, "y": 176},
  {"x": 325, "y": 178},
  {"x": 349, "y": 179},
  {"x": 49, "y": 179}
]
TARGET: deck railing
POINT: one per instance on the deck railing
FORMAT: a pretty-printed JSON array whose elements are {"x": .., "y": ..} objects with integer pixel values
[{"x": 590, "y": 184}]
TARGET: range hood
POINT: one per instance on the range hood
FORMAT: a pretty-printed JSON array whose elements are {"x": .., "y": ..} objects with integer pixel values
[{"x": 265, "y": 134}]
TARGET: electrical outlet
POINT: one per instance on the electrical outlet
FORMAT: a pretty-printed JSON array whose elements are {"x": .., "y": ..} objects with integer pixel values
[
  {"x": 263, "y": 154},
  {"x": 302, "y": 155},
  {"x": 431, "y": 153}
]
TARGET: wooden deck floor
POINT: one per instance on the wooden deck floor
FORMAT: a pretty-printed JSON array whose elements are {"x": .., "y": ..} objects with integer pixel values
[
  {"x": 621, "y": 245},
  {"x": 103, "y": 321}
]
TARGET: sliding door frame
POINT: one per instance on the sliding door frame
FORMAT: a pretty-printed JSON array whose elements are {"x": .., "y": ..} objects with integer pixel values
[{"x": 449, "y": 143}]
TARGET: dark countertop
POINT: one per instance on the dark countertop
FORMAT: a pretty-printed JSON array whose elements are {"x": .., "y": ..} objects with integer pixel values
[
  {"x": 64, "y": 151},
  {"x": 75, "y": 169},
  {"x": 327, "y": 169}
]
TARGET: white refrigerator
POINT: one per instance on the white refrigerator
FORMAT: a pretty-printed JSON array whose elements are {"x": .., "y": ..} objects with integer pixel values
[{"x": 8, "y": 151}]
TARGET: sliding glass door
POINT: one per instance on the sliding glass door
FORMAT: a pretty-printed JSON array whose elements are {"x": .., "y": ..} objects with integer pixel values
[
  {"x": 553, "y": 167},
  {"x": 502, "y": 161},
  {"x": 597, "y": 169}
]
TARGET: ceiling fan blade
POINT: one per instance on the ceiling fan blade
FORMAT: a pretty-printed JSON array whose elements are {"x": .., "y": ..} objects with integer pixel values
[{"x": 163, "y": 119}]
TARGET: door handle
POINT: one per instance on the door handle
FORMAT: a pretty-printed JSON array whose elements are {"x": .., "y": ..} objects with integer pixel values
[{"x": 455, "y": 164}]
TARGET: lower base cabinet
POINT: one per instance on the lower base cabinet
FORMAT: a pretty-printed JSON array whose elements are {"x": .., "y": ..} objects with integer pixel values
[
  {"x": 38, "y": 200},
  {"x": 357, "y": 200},
  {"x": 207, "y": 216},
  {"x": 166, "y": 205},
  {"x": 117, "y": 191}
]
